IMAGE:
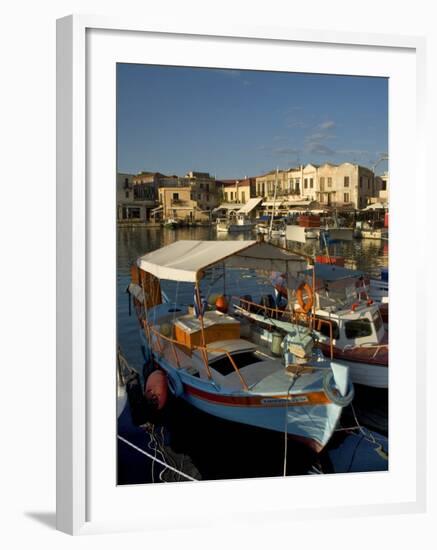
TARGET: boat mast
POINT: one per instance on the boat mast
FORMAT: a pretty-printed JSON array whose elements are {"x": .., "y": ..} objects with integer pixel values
[
  {"x": 202, "y": 328},
  {"x": 274, "y": 205}
]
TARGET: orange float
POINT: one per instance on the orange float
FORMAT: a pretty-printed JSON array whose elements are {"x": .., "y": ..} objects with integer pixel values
[
  {"x": 221, "y": 304},
  {"x": 156, "y": 391}
]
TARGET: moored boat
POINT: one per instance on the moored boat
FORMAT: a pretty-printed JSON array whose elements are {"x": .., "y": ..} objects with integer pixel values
[
  {"x": 348, "y": 323},
  {"x": 224, "y": 366},
  {"x": 171, "y": 223},
  {"x": 233, "y": 224}
]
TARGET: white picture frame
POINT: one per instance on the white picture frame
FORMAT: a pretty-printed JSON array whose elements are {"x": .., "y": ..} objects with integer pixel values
[{"x": 79, "y": 229}]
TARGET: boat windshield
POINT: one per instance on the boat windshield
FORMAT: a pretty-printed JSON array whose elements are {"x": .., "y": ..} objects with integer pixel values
[{"x": 358, "y": 328}]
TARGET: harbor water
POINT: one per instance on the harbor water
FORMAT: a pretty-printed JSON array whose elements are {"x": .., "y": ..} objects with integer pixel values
[{"x": 204, "y": 446}]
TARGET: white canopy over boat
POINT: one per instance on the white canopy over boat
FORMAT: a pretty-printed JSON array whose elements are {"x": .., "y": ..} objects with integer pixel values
[
  {"x": 185, "y": 260},
  {"x": 250, "y": 205}
]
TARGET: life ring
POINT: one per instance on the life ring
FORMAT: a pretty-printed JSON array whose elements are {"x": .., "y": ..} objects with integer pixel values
[
  {"x": 335, "y": 397},
  {"x": 305, "y": 306},
  {"x": 175, "y": 383}
]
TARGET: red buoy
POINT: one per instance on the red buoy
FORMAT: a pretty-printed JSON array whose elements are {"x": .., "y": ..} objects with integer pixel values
[
  {"x": 221, "y": 304},
  {"x": 156, "y": 389}
]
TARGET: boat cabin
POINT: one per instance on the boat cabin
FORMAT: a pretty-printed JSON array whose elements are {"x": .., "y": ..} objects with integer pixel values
[{"x": 342, "y": 301}]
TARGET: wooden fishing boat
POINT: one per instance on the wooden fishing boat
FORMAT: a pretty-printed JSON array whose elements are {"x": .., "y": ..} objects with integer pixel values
[{"x": 228, "y": 368}]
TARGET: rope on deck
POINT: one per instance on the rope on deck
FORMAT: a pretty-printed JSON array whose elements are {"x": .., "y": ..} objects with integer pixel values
[{"x": 155, "y": 459}]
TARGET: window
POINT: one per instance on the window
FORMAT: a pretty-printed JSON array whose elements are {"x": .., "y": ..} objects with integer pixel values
[
  {"x": 311, "y": 183},
  {"x": 346, "y": 181},
  {"x": 127, "y": 194},
  {"x": 134, "y": 213},
  {"x": 305, "y": 183},
  {"x": 361, "y": 181},
  {"x": 368, "y": 183},
  {"x": 329, "y": 182},
  {"x": 346, "y": 197},
  {"x": 324, "y": 329},
  {"x": 243, "y": 197},
  {"x": 175, "y": 196},
  {"x": 358, "y": 328},
  {"x": 207, "y": 187},
  {"x": 232, "y": 195}
]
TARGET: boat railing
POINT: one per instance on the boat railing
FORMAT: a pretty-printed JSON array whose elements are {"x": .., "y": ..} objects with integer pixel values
[
  {"x": 329, "y": 323},
  {"x": 296, "y": 317},
  {"x": 273, "y": 310},
  {"x": 203, "y": 349},
  {"x": 160, "y": 347}
]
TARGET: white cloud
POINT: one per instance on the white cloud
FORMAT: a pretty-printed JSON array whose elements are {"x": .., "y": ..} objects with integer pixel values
[{"x": 326, "y": 125}]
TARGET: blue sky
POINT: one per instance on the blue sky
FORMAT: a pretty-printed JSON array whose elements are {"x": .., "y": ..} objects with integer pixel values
[{"x": 235, "y": 123}]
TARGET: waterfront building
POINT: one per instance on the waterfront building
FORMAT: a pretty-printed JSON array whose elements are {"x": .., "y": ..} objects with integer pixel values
[
  {"x": 190, "y": 198},
  {"x": 265, "y": 184},
  {"x": 204, "y": 190},
  {"x": 145, "y": 188},
  {"x": 237, "y": 191},
  {"x": 289, "y": 183},
  {"x": 343, "y": 185},
  {"x": 295, "y": 187},
  {"x": 129, "y": 205}
]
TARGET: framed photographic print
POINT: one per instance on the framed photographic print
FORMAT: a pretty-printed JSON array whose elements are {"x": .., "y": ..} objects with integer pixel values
[{"x": 231, "y": 291}]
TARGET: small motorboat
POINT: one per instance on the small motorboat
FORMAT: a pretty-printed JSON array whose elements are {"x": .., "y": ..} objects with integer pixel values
[
  {"x": 371, "y": 230},
  {"x": 225, "y": 366},
  {"x": 238, "y": 222},
  {"x": 274, "y": 229},
  {"x": 348, "y": 323},
  {"x": 171, "y": 223}
]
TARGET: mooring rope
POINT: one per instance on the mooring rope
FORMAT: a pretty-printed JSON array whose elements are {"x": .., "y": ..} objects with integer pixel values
[{"x": 142, "y": 451}]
